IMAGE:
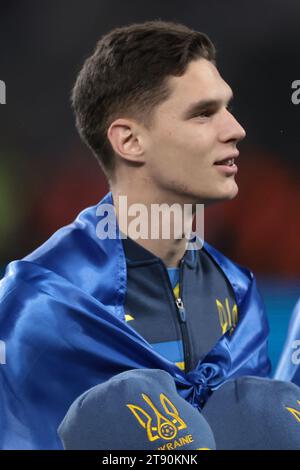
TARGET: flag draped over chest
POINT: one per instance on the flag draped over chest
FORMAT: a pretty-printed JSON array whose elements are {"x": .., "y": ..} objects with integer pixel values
[{"x": 62, "y": 321}]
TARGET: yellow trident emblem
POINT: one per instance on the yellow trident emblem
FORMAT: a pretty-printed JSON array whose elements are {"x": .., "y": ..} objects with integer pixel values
[
  {"x": 164, "y": 428},
  {"x": 228, "y": 317}
]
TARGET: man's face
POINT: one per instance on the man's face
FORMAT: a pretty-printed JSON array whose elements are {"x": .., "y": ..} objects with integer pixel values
[{"x": 192, "y": 132}]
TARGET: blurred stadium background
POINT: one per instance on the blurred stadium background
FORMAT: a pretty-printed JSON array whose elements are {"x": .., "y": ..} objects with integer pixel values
[{"x": 47, "y": 176}]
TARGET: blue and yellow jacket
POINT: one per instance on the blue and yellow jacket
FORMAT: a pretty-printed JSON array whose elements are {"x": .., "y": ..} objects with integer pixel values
[{"x": 181, "y": 322}]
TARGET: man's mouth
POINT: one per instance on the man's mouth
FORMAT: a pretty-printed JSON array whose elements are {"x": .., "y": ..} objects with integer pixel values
[
  {"x": 228, "y": 166},
  {"x": 226, "y": 162}
]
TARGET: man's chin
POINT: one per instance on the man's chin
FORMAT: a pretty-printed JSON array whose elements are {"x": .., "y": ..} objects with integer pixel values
[
  {"x": 230, "y": 192},
  {"x": 233, "y": 193},
  {"x": 219, "y": 197}
]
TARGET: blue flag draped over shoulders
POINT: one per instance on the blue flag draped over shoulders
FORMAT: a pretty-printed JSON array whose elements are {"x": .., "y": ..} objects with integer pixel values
[{"x": 63, "y": 324}]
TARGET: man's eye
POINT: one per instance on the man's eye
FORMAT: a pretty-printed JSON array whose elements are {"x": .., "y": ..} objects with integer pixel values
[{"x": 206, "y": 113}]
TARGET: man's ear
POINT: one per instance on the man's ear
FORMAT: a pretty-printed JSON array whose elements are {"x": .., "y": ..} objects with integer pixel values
[{"x": 126, "y": 139}]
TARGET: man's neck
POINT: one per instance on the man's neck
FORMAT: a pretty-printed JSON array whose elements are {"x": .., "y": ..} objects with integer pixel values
[{"x": 170, "y": 250}]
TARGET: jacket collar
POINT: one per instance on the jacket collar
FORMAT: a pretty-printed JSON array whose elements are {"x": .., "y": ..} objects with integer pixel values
[{"x": 137, "y": 255}]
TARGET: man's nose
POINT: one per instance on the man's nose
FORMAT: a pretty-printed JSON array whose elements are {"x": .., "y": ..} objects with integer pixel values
[{"x": 231, "y": 129}]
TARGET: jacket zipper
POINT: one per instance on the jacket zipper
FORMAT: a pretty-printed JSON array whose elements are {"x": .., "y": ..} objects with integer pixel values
[
  {"x": 181, "y": 314},
  {"x": 183, "y": 324}
]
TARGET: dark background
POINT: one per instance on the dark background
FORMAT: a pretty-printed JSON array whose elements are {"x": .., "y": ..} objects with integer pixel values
[{"x": 47, "y": 175}]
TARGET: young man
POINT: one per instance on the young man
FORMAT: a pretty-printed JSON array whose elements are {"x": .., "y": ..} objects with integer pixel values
[{"x": 82, "y": 308}]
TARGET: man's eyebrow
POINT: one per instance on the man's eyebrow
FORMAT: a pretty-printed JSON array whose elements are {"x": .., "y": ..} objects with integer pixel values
[{"x": 202, "y": 105}]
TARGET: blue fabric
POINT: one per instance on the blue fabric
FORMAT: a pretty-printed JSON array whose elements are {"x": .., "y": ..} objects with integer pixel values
[
  {"x": 63, "y": 321},
  {"x": 254, "y": 413},
  {"x": 289, "y": 364},
  {"x": 172, "y": 350},
  {"x": 174, "y": 276}
]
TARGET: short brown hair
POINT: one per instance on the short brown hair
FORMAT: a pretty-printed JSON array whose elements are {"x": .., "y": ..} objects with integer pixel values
[{"x": 127, "y": 75}]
